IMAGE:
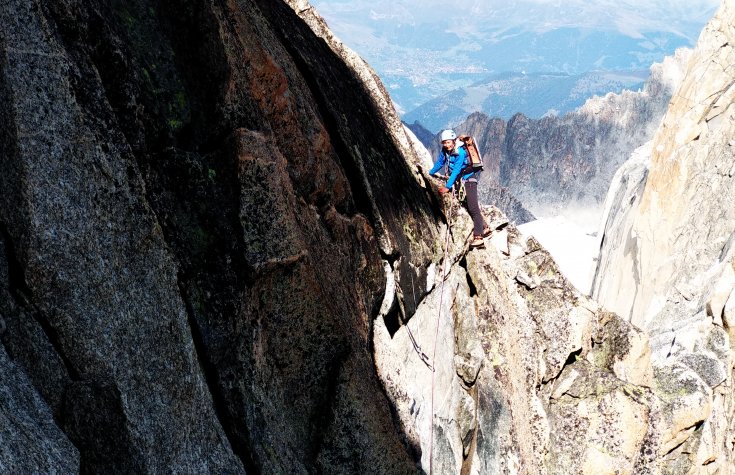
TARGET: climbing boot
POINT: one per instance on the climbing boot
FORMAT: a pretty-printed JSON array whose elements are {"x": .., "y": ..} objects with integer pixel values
[
  {"x": 477, "y": 242},
  {"x": 486, "y": 232}
]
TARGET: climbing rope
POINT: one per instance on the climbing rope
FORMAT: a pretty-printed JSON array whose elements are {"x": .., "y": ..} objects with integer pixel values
[
  {"x": 436, "y": 332},
  {"x": 424, "y": 357}
]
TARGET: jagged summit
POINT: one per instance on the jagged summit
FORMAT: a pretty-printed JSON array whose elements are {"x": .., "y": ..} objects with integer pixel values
[
  {"x": 564, "y": 164},
  {"x": 538, "y": 94}
]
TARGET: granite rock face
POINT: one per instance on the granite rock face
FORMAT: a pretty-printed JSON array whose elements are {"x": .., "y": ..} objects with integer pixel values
[
  {"x": 30, "y": 441},
  {"x": 506, "y": 368},
  {"x": 220, "y": 253},
  {"x": 197, "y": 202},
  {"x": 667, "y": 257}
]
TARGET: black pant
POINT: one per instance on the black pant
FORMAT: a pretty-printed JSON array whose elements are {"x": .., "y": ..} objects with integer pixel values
[{"x": 473, "y": 207}]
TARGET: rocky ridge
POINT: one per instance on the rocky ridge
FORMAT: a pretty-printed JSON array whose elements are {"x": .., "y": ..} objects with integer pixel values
[
  {"x": 520, "y": 373},
  {"x": 224, "y": 255},
  {"x": 536, "y": 94},
  {"x": 568, "y": 162}
]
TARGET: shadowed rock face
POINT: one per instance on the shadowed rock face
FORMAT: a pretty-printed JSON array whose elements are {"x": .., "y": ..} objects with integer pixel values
[
  {"x": 197, "y": 203},
  {"x": 30, "y": 440},
  {"x": 215, "y": 238}
]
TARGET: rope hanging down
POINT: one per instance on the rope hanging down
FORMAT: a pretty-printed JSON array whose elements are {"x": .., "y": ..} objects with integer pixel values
[
  {"x": 424, "y": 357},
  {"x": 436, "y": 333}
]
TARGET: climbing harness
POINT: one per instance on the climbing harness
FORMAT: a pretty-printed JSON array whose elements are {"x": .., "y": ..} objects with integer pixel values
[{"x": 436, "y": 332}]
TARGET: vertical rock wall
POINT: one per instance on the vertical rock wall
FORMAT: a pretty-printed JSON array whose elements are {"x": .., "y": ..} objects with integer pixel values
[
  {"x": 685, "y": 199},
  {"x": 199, "y": 202},
  {"x": 667, "y": 254}
]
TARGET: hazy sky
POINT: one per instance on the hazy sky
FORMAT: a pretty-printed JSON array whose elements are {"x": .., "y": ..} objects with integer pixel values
[
  {"x": 681, "y": 17},
  {"x": 412, "y": 43}
]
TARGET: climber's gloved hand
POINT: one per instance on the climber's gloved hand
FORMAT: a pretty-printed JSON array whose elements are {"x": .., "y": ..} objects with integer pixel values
[{"x": 443, "y": 189}]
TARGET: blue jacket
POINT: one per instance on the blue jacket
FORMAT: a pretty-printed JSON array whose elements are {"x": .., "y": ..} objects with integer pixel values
[{"x": 458, "y": 159}]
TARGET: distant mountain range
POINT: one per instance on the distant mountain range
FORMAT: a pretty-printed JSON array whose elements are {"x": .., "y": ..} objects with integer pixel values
[
  {"x": 562, "y": 164},
  {"x": 423, "y": 49},
  {"x": 415, "y": 79},
  {"x": 535, "y": 94}
]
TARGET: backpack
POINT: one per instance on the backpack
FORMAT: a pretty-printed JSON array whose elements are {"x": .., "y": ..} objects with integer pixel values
[{"x": 473, "y": 152}]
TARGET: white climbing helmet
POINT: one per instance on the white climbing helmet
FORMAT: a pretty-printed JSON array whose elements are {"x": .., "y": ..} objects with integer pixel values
[{"x": 448, "y": 135}]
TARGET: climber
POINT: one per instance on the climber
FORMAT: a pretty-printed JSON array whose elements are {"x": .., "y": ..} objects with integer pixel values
[{"x": 455, "y": 155}]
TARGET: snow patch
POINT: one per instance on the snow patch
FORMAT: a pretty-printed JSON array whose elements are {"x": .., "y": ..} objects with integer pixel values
[{"x": 574, "y": 248}]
